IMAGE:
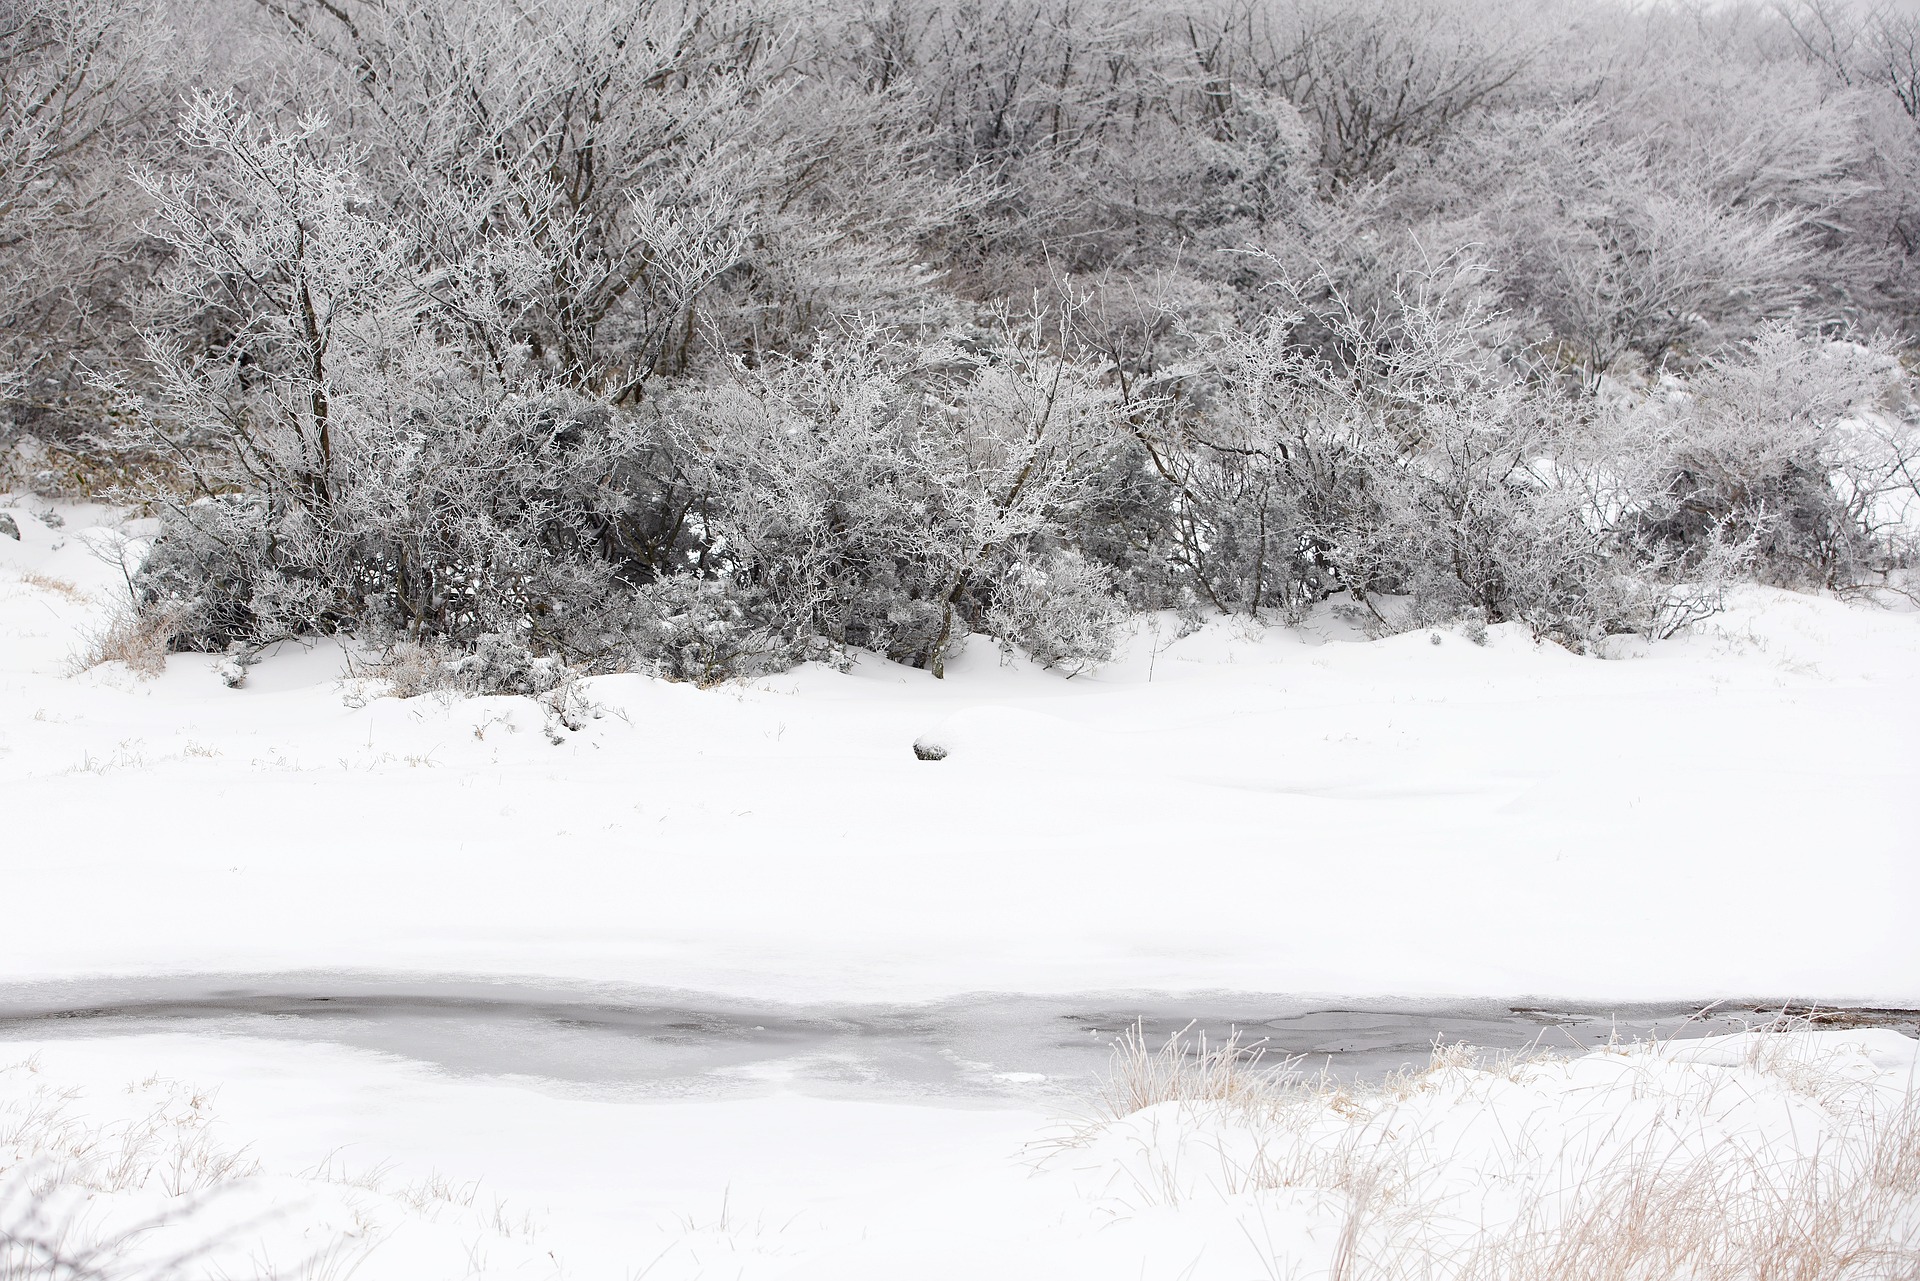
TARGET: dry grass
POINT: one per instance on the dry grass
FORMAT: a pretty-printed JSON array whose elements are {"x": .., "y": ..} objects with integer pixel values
[
  {"x": 55, "y": 1167},
  {"x": 411, "y": 670},
  {"x": 1646, "y": 1163},
  {"x": 148, "y": 1192},
  {"x": 57, "y": 586},
  {"x": 1725, "y": 1212},
  {"x": 1190, "y": 1070},
  {"x": 170, "y": 1147},
  {"x": 139, "y": 638}
]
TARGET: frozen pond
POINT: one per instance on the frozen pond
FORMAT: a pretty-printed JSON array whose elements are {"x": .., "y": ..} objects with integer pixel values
[{"x": 637, "y": 1042}]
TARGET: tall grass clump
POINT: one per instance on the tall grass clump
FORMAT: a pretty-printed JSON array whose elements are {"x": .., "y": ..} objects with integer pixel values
[{"x": 1779, "y": 1153}]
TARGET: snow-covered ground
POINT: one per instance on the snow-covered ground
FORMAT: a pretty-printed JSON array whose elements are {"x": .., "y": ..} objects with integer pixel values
[
  {"x": 1750, "y": 1156},
  {"x": 1725, "y": 815},
  {"x": 1728, "y": 815}
]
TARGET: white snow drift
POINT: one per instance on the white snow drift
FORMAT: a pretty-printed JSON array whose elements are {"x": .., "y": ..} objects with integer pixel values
[
  {"x": 1773, "y": 1153},
  {"x": 1723, "y": 815}
]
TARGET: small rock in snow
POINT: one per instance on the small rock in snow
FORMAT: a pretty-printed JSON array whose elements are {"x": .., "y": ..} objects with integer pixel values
[
  {"x": 929, "y": 750},
  {"x": 8, "y": 527}
]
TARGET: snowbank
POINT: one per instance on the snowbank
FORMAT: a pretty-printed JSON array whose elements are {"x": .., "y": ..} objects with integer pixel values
[
  {"x": 1763, "y": 1154},
  {"x": 1283, "y": 811}
]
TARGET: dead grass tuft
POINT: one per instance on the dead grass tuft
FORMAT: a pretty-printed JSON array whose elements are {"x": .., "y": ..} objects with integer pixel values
[
  {"x": 1779, "y": 1155},
  {"x": 1188, "y": 1069},
  {"x": 139, "y": 638},
  {"x": 57, "y": 586}
]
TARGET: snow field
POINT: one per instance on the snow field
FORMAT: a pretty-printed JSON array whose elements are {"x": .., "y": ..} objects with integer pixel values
[
  {"x": 1780, "y": 1152},
  {"x": 1236, "y": 809},
  {"x": 1773, "y": 1153}
]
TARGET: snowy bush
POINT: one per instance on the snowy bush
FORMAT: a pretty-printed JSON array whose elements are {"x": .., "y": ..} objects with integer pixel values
[
  {"x": 1061, "y": 611},
  {"x": 696, "y": 629},
  {"x": 876, "y": 493},
  {"x": 1801, "y": 448},
  {"x": 1410, "y": 461},
  {"x": 88, "y": 87}
]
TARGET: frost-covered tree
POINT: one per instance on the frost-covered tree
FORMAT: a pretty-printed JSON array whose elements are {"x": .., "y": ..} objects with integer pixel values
[
  {"x": 362, "y": 443},
  {"x": 699, "y": 334},
  {"x": 670, "y": 164},
  {"x": 84, "y": 87}
]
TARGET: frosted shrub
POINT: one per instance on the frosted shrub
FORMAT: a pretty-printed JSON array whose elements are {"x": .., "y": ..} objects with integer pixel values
[
  {"x": 85, "y": 90},
  {"x": 1412, "y": 461},
  {"x": 686, "y": 185},
  {"x": 365, "y": 450},
  {"x": 875, "y": 493},
  {"x": 696, "y": 629},
  {"x": 454, "y": 529},
  {"x": 1800, "y": 448},
  {"x": 493, "y": 665},
  {"x": 1061, "y": 611},
  {"x": 1649, "y": 260},
  {"x": 503, "y": 664},
  {"x": 1380, "y": 77}
]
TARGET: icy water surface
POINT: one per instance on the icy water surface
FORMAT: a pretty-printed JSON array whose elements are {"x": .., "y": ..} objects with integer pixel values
[{"x": 679, "y": 1044}]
